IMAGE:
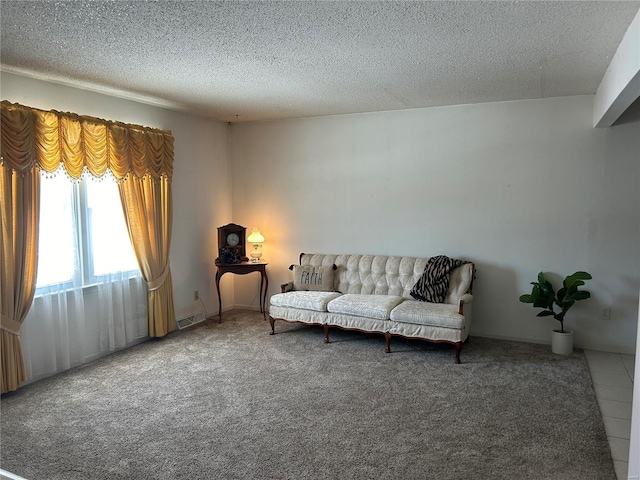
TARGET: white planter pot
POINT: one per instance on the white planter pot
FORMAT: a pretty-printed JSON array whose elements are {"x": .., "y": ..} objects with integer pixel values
[{"x": 562, "y": 342}]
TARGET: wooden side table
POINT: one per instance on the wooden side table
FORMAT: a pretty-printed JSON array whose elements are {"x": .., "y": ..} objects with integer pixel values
[{"x": 242, "y": 269}]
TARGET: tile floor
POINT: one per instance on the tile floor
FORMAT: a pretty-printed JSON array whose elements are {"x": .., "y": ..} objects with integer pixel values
[{"x": 612, "y": 375}]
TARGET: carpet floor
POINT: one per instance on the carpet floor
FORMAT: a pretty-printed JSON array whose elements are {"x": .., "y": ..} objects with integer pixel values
[{"x": 230, "y": 401}]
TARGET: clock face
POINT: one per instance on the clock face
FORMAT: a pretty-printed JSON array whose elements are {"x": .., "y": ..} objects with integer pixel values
[{"x": 233, "y": 239}]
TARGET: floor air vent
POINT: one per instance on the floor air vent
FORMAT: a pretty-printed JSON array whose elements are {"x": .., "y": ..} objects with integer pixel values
[{"x": 190, "y": 320}]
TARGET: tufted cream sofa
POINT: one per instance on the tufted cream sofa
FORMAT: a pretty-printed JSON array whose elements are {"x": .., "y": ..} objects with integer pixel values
[{"x": 371, "y": 294}]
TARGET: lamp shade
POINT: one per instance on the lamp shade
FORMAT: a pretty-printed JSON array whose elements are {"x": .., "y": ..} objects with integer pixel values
[{"x": 255, "y": 236}]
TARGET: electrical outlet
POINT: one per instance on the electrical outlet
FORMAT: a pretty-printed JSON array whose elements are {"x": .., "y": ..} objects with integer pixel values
[
  {"x": 606, "y": 313},
  {"x": 196, "y": 295}
]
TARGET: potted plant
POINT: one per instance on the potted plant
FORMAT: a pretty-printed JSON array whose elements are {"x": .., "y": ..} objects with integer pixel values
[{"x": 543, "y": 295}]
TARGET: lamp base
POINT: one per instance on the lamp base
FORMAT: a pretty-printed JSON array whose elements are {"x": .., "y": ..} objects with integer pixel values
[{"x": 256, "y": 253}]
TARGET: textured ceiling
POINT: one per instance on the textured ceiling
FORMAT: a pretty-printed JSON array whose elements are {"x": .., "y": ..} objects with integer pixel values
[{"x": 240, "y": 61}]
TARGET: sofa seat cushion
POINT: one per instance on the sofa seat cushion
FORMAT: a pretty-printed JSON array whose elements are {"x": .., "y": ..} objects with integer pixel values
[
  {"x": 306, "y": 300},
  {"x": 299, "y": 315},
  {"x": 371, "y": 306},
  {"x": 426, "y": 313}
]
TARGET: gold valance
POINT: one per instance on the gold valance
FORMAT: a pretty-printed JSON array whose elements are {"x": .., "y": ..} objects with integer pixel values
[{"x": 45, "y": 139}]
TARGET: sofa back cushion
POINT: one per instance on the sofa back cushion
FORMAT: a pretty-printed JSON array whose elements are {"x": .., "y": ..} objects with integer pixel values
[
  {"x": 385, "y": 275},
  {"x": 460, "y": 281}
]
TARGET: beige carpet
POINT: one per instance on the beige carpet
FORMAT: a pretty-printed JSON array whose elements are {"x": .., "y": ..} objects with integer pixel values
[{"x": 230, "y": 401}]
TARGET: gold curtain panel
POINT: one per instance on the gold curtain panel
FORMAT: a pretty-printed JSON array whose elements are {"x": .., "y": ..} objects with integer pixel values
[{"x": 45, "y": 139}]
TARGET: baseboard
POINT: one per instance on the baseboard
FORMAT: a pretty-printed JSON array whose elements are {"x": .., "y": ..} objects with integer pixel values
[
  {"x": 607, "y": 349},
  {"x": 255, "y": 308},
  {"x": 582, "y": 346}
]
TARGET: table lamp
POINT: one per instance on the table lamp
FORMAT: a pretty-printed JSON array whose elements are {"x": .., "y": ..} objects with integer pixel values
[{"x": 256, "y": 239}]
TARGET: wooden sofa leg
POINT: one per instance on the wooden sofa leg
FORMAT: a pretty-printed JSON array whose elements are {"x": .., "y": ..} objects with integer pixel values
[
  {"x": 387, "y": 337},
  {"x": 326, "y": 333},
  {"x": 272, "y": 322},
  {"x": 458, "y": 346}
]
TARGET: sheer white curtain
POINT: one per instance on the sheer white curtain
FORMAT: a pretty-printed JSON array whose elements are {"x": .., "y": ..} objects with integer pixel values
[
  {"x": 122, "y": 311},
  {"x": 91, "y": 298}
]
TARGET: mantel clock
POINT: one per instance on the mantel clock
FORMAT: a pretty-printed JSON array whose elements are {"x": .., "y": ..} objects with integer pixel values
[{"x": 231, "y": 243}]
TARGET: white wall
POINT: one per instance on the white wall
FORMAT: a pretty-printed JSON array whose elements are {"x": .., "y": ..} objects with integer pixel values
[
  {"x": 517, "y": 187},
  {"x": 201, "y": 180},
  {"x": 620, "y": 86}
]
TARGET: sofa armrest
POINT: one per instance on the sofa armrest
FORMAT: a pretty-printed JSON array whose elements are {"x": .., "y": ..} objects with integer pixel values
[
  {"x": 466, "y": 298},
  {"x": 286, "y": 287}
]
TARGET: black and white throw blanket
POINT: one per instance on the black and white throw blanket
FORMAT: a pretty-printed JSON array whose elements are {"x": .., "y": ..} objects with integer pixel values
[{"x": 434, "y": 282}]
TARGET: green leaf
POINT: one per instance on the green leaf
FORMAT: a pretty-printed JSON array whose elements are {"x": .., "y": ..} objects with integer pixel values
[
  {"x": 576, "y": 284},
  {"x": 545, "y": 313},
  {"x": 582, "y": 276},
  {"x": 561, "y": 294},
  {"x": 526, "y": 298},
  {"x": 576, "y": 279},
  {"x": 582, "y": 295}
]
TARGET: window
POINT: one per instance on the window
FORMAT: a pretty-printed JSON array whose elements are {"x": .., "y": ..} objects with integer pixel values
[
  {"x": 90, "y": 296},
  {"x": 109, "y": 248},
  {"x": 57, "y": 245},
  {"x": 83, "y": 235}
]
